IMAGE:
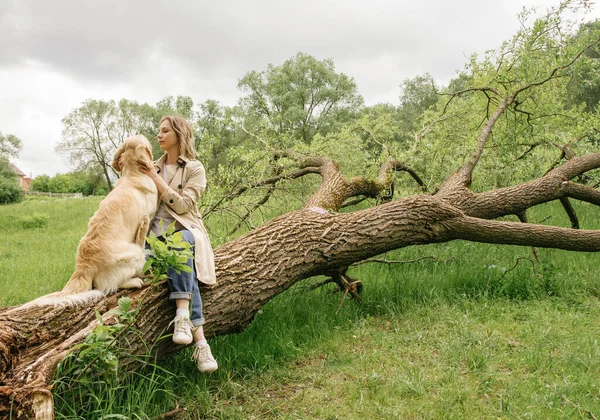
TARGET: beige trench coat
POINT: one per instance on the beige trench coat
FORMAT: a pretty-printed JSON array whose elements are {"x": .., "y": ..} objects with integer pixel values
[{"x": 181, "y": 199}]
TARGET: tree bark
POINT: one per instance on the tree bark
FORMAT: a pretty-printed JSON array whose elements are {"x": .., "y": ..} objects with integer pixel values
[{"x": 256, "y": 267}]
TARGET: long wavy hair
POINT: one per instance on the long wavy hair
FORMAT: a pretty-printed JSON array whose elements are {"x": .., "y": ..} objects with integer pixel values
[{"x": 185, "y": 135}]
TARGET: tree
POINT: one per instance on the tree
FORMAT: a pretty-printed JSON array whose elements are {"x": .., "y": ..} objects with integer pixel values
[
  {"x": 584, "y": 86},
  {"x": 10, "y": 191},
  {"x": 218, "y": 134},
  {"x": 86, "y": 183},
  {"x": 85, "y": 138},
  {"x": 10, "y": 145},
  {"x": 318, "y": 239},
  {"x": 418, "y": 95},
  {"x": 522, "y": 88},
  {"x": 40, "y": 183},
  {"x": 300, "y": 98},
  {"x": 92, "y": 133}
]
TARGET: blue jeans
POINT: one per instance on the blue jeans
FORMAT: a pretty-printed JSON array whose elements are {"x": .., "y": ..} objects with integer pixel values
[{"x": 185, "y": 285}]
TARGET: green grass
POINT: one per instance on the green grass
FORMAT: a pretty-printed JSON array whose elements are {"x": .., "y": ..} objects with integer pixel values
[
  {"x": 461, "y": 359},
  {"x": 480, "y": 331},
  {"x": 38, "y": 260}
]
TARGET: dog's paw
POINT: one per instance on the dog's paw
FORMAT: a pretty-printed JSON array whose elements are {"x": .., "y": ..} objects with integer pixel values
[{"x": 133, "y": 283}]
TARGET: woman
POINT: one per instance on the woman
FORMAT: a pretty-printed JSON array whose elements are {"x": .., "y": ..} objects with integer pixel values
[{"x": 180, "y": 180}]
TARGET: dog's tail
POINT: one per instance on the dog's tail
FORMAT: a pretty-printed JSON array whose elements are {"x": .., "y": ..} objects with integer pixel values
[
  {"x": 81, "y": 281},
  {"x": 64, "y": 299},
  {"x": 78, "y": 291}
]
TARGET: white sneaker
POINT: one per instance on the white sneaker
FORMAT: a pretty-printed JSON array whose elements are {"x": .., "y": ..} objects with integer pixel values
[
  {"x": 182, "y": 332},
  {"x": 204, "y": 358}
]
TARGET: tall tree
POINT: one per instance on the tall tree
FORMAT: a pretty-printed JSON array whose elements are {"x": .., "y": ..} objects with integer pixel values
[
  {"x": 87, "y": 138},
  {"x": 219, "y": 137},
  {"x": 520, "y": 92},
  {"x": 10, "y": 190},
  {"x": 584, "y": 85},
  {"x": 300, "y": 98},
  {"x": 92, "y": 133},
  {"x": 10, "y": 145}
]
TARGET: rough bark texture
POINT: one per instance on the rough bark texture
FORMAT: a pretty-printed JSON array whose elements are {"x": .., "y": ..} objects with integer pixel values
[{"x": 254, "y": 268}]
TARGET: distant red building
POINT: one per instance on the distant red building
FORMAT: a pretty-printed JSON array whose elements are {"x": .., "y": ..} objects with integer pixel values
[{"x": 24, "y": 180}]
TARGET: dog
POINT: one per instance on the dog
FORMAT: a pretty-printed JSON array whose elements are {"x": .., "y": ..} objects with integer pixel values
[{"x": 110, "y": 256}]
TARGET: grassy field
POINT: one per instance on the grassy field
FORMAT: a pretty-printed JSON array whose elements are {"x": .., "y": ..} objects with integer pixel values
[{"x": 480, "y": 331}]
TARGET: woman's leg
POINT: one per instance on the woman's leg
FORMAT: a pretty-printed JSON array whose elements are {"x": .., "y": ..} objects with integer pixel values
[
  {"x": 185, "y": 291},
  {"x": 202, "y": 354},
  {"x": 182, "y": 286}
]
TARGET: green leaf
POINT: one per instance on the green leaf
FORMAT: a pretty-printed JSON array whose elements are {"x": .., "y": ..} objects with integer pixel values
[
  {"x": 147, "y": 266},
  {"x": 124, "y": 303},
  {"x": 98, "y": 317},
  {"x": 186, "y": 268},
  {"x": 171, "y": 229}
]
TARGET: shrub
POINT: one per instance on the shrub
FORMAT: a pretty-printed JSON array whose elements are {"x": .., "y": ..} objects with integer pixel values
[
  {"x": 87, "y": 183},
  {"x": 10, "y": 192},
  {"x": 37, "y": 220}
]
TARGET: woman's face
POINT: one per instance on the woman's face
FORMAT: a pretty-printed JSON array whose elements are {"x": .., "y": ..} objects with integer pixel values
[{"x": 167, "y": 137}]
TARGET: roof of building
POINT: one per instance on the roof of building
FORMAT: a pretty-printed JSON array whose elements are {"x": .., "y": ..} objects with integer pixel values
[{"x": 17, "y": 170}]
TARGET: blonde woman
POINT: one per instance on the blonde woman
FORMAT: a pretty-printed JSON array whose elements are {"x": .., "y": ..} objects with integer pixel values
[{"x": 180, "y": 180}]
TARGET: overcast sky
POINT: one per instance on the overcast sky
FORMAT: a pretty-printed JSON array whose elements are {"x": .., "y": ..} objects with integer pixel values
[{"x": 58, "y": 53}]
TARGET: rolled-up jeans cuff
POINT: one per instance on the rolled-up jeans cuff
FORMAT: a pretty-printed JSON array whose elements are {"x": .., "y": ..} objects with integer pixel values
[
  {"x": 181, "y": 295},
  {"x": 198, "y": 322}
]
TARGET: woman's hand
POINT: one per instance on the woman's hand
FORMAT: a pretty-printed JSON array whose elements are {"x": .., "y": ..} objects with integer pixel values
[
  {"x": 160, "y": 183},
  {"x": 149, "y": 170}
]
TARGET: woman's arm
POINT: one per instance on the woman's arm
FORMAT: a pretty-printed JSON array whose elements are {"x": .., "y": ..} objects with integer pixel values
[
  {"x": 187, "y": 198},
  {"x": 161, "y": 184}
]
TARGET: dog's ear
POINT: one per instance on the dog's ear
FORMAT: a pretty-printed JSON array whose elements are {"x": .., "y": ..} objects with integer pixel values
[
  {"x": 143, "y": 156},
  {"x": 118, "y": 153}
]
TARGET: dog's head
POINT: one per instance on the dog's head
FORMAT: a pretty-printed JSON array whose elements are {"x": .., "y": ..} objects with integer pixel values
[{"x": 135, "y": 151}]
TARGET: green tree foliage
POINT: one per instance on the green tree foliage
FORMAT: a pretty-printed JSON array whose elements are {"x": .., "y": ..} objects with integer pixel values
[
  {"x": 283, "y": 107},
  {"x": 10, "y": 191},
  {"x": 535, "y": 127},
  {"x": 299, "y": 98},
  {"x": 180, "y": 105},
  {"x": 584, "y": 86},
  {"x": 418, "y": 95},
  {"x": 6, "y": 171},
  {"x": 92, "y": 133},
  {"x": 362, "y": 144},
  {"x": 220, "y": 138},
  {"x": 86, "y": 183},
  {"x": 10, "y": 145},
  {"x": 305, "y": 106},
  {"x": 40, "y": 183}
]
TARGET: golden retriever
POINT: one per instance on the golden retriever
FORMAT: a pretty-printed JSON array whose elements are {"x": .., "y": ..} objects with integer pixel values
[{"x": 110, "y": 255}]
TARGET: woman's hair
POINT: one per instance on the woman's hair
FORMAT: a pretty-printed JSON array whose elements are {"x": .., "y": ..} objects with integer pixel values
[{"x": 185, "y": 135}]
